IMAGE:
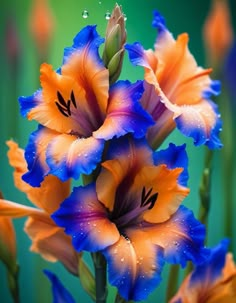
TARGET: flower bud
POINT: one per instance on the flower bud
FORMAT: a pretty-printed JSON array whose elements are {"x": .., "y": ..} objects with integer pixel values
[
  {"x": 114, "y": 45},
  {"x": 217, "y": 31}
]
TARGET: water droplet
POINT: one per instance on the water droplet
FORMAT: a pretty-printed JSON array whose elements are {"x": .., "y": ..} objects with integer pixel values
[
  {"x": 99, "y": 2},
  {"x": 94, "y": 224},
  {"x": 122, "y": 259},
  {"x": 107, "y": 15},
  {"x": 85, "y": 14},
  {"x": 125, "y": 17}
]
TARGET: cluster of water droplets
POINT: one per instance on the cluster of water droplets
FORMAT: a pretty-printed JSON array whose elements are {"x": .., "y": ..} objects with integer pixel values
[{"x": 107, "y": 16}]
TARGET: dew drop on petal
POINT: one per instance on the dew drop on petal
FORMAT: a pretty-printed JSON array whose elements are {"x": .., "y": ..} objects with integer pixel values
[
  {"x": 122, "y": 259},
  {"x": 125, "y": 17},
  {"x": 107, "y": 15},
  {"x": 85, "y": 14}
]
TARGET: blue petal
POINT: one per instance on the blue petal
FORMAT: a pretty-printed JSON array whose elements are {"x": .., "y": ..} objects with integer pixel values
[
  {"x": 189, "y": 244},
  {"x": 213, "y": 90},
  {"x": 60, "y": 293},
  {"x": 133, "y": 149},
  {"x": 174, "y": 156},
  {"x": 199, "y": 134},
  {"x": 87, "y": 37},
  {"x": 73, "y": 163},
  {"x": 133, "y": 284},
  {"x": 136, "y": 54},
  {"x": 159, "y": 22},
  {"x": 27, "y": 103},
  {"x": 36, "y": 169},
  {"x": 212, "y": 268},
  {"x": 86, "y": 220},
  {"x": 130, "y": 113}
]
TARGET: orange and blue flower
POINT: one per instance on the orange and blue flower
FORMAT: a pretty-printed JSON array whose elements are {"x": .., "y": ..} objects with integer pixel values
[
  {"x": 177, "y": 91},
  {"x": 78, "y": 111},
  {"x": 132, "y": 214},
  {"x": 212, "y": 281}
]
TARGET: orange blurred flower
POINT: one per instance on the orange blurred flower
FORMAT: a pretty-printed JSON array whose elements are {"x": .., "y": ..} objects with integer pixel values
[
  {"x": 7, "y": 242},
  {"x": 48, "y": 239},
  {"x": 41, "y": 25},
  {"x": 217, "y": 31}
]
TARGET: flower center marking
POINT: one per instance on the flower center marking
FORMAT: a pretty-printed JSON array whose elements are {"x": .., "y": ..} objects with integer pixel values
[
  {"x": 147, "y": 199},
  {"x": 63, "y": 106}
]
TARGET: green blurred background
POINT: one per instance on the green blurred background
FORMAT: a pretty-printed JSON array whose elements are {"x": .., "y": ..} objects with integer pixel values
[{"x": 181, "y": 16}]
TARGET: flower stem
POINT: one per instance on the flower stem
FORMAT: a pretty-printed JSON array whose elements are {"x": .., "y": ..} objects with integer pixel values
[
  {"x": 100, "y": 277},
  {"x": 228, "y": 162},
  {"x": 119, "y": 299},
  {"x": 13, "y": 284},
  {"x": 205, "y": 189},
  {"x": 172, "y": 282}
]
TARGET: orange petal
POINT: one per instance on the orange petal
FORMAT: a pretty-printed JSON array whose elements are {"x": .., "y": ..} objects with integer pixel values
[
  {"x": 52, "y": 190},
  {"x": 7, "y": 241},
  {"x": 15, "y": 210},
  {"x": 52, "y": 243},
  {"x": 169, "y": 197}
]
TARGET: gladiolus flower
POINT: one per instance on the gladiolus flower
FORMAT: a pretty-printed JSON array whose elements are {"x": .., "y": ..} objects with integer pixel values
[
  {"x": 214, "y": 281},
  {"x": 218, "y": 32},
  {"x": 41, "y": 25},
  {"x": 132, "y": 214},
  {"x": 177, "y": 91},
  {"x": 79, "y": 112},
  {"x": 47, "y": 239}
]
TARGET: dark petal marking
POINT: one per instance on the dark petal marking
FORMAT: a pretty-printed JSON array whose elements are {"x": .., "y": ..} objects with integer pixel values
[
  {"x": 144, "y": 195},
  {"x": 151, "y": 201},
  {"x": 146, "y": 199},
  {"x": 61, "y": 109},
  {"x": 72, "y": 97},
  {"x": 61, "y": 99},
  {"x": 68, "y": 107}
]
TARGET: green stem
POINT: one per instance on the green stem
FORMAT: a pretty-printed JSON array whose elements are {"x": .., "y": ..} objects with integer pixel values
[
  {"x": 13, "y": 284},
  {"x": 228, "y": 162},
  {"x": 205, "y": 189},
  {"x": 100, "y": 277},
  {"x": 172, "y": 282},
  {"x": 119, "y": 299}
]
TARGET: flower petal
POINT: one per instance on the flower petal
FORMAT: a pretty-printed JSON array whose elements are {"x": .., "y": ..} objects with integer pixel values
[
  {"x": 182, "y": 238},
  {"x": 202, "y": 123},
  {"x": 212, "y": 269},
  {"x": 69, "y": 156},
  {"x": 133, "y": 270},
  {"x": 208, "y": 282},
  {"x": 174, "y": 156},
  {"x": 117, "y": 168},
  {"x": 86, "y": 220},
  {"x": 52, "y": 189},
  {"x": 63, "y": 106},
  {"x": 7, "y": 241},
  {"x": 82, "y": 63},
  {"x": 15, "y": 210},
  {"x": 35, "y": 155},
  {"x": 60, "y": 293},
  {"x": 52, "y": 243},
  {"x": 182, "y": 86},
  {"x": 164, "y": 183},
  {"x": 125, "y": 114}
]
